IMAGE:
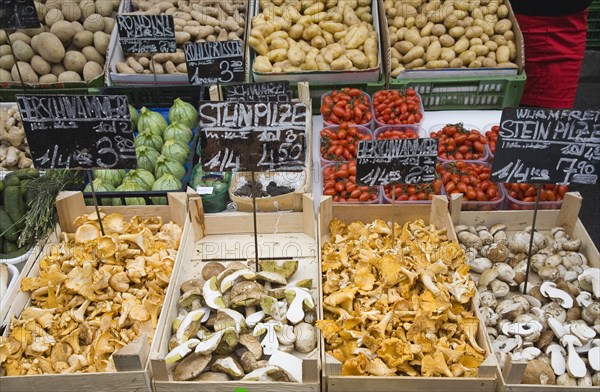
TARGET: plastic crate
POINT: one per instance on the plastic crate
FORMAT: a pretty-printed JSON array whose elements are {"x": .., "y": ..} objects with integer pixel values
[
  {"x": 593, "y": 32},
  {"x": 9, "y": 94},
  {"x": 158, "y": 96},
  {"x": 318, "y": 89},
  {"x": 467, "y": 93}
]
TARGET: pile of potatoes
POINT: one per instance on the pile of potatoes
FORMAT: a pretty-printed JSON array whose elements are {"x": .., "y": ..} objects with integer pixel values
[
  {"x": 69, "y": 46},
  {"x": 437, "y": 34},
  {"x": 314, "y": 35},
  {"x": 205, "y": 21}
]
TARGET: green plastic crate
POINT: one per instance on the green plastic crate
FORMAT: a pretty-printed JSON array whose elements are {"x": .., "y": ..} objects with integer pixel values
[
  {"x": 317, "y": 90},
  {"x": 593, "y": 32},
  {"x": 9, "y": 94},
  {"x": 466, "y": 93}
]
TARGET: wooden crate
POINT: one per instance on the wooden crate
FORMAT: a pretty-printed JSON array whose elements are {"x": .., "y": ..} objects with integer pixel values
[
  {"x": 437, "y": 214},
  {"x": 132, "y": 361},
  {"x": 509, "y": 377},
  {"x": 227, "y": 237}
]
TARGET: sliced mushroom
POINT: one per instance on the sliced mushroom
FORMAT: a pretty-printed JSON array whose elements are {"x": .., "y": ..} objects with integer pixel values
[
  {"x": 211, "y": 294},
  {"x": 285, "y": 268},
  {"x": 291, "y": 364},
  {"x": 191, "y": 367},
  {"x": 229, "y": 366},
  {"x": 575, "y": 364},
  {"x": 548, "y": 289},
  {"x": 298, "y": 299},
  {"x": 252, "y": 345},
  {"x": 557, "y": 358},
  {"x": 181, "y": 351},
  {"x": 230, "y": 280}
]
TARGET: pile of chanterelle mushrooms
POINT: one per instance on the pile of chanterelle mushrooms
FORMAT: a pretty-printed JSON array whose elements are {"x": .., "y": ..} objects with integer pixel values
[
  {"x": 94, "y": 294},
  {"x": 555, "y": 327},
  {"x": 398, "y": 310},
  {"x": 236, "y": 323}
]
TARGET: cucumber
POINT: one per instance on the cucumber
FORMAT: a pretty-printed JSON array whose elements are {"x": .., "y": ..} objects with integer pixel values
[
  {"x": 11, "y": 181},
  {"x": 14, "y": 205},
  {"x": 25, "y": 186},
  {"x": 23, "y": 174},
  {"x": 7, "y": 227},
  {"x": 9, "y": 247},
  {"x": 14, "y": 253}
]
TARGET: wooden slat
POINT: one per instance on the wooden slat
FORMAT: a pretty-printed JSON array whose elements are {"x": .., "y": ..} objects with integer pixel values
[
  {"x": 231, "y": 386},
  {"x": 513, "y": 371},
  {"x": 97, "y": 382},
  {"x": 132, "y": 357},
  {"x": 242, "y": 222},
  {"x": 409, "y": 384},
  {"x": 569, "y": 211}
]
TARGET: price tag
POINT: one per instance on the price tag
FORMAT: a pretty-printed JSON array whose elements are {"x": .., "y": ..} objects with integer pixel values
[
  {"x": 253, "y": 136},
  {"x": 147, "y": 33},
  {"x": 204, "y": 190},
  {"x": 18, "y": 14},
  {"x": 78, "y": 131},
  {"x": 259, "y": 92},
  {"x": 214, "y": 62},
  {"x": 547, "y": 146},
  {"x": 402, "y": 161}
]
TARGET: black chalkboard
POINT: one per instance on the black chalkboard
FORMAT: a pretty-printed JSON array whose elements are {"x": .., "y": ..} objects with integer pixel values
[
  {"x": 544, "y": 146},
  {"x": 214, "y": 62},
  {"x": 402, "y": 161},
  {"x": 18, "y": 14},
  {"x": 259, "y": 92},
  {"x": 78, "y": 131},
  {"x": 147, "y": 33},
  {"x": 253, "y": 136}
]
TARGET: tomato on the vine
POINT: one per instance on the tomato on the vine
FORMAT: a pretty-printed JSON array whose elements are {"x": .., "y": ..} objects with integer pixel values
[
  {"x": 397, "y": 107},
  {"x": 340, "y": 183},
  {"x": 341, "y": 143},
  {"x": 455, "y": 142},
  {"x": 346, "y": 105}
]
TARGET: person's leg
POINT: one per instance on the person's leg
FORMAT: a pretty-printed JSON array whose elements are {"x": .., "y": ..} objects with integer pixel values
[{"x": 554, "y": 50}]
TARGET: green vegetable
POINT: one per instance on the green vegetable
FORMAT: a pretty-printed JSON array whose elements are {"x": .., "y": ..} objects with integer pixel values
[
  {"x": 146, "y": 158},
  {"x": 134, "y": 117},
  {"x": 151, "y": 121},
  {"x": 11, "y": 250},
  {"x": 14, "y": 205},
  {"x": 112, "y": 177},
  {"x": 176, "y": 151},
  {"x": 178, "y": 131},
  {"x": 9, "y": 247},
  {"x": 165, "y": 183},
  {"x": 129, "y": 186},
  {"x": 219, "y": 181},
  {"x": 23, "y": 174},
  {"x": 142, "y": 177},
  {"x": 25, "y": 186},
  {"x": 184, "y": 113},
  {"x": 11, "y": 181},
  {"x": 99, "y": 186},
  {"x": 1, "y": 186},
  {"x": 7, "y": 229},
  {"x": 149, "y": 139},
  {"x": 165, "y": 165}
]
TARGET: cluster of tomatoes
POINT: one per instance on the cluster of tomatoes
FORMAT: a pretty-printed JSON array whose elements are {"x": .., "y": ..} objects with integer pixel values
[
  {"x": 397, "y": 107},
  {"x": 397, "y": 133},
  {"x": 470, "y": 179},
  {"x": 492, "y": 138},
  {"x": 528, "y": 192},
  {"x": 346, "y": 105},
  {"x": 455, "y": 142},
  {"x": 416, "y": 192},
  {"x": 339, "y": 181},
  {"x": 341, "y": 144}
]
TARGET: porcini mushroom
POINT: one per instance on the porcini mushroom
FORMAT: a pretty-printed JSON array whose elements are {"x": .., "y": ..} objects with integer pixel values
[
  {"x": 557, "y": 358},
  {"x": 575, "y": 364}
]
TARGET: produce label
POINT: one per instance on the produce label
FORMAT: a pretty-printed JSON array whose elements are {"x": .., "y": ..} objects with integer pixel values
[
  {"x": 400, "y": 161},
  {"x": 253, "y": 136},
  {"x": 78, "y": 131},
  {"x": 147, "y": 33},
  {"x": 259, "y": 92},
  {"x": 214, "y": 62},
  {"x": 18, "y": 14},
  {"x": 544, "y": 146}
]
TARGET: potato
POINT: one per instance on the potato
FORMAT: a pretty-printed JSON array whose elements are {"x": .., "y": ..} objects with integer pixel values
[
  {"x": 77, "y": 27},
  {"x": 69, "y": 76},
  {"x": 450, "y": 21},
  {"x": 424, "y": 42},
  {"x": 513, "y": 50},
  {"x": 182, "y": 68},
  {"x": 475, "y": 64},
  {"x": 105, "y": 7},
  {"x": 295, "y": 55},
  {"x": 456, "y": 63},
  {"x": 371, "y": 51},
  {"x": 18, "y": 36},
  {"x": 413, "y": 54},
  {"x": 49, "y": 47},
  {"x": 475, "y": 41},
  {"x": 70, "y": 10},
  {"x": 277, "y": 55},
  {"x": 507, "y": 65},
  {"x": 434, "y": 52},
  {"x": 91, "y": 54},
  {"x": 456, "y": 32},
  {"x": 446, "y": 41},
  {"x": 414, "y": 64},
  {"x": 502, "y": 26},
  {"x": 332, "y": 52},
  {"x": 467, "y": 56},
  {"x": 502, "y": 54},
  {"x": 480, "y": 50},
  {"x": 5, "y": 50},
  {"x": 341, "y": 63},
  {"x": 499, "y": 40},
  {"x": 57, "y": 69},
  {"x": 318, "y": 42},
  {"x": 7, "y": 61},
  {"x": 101, "y": 41},
  {"x": 487, "y": 27},
  {"x": 94, "y": 23},
  {"x": 421, "y": 20},
  {"x": 53, "y": 16},
  {"x": 461, "y": 45},
  {"x": 87, "y": 8},
  {"x": 63, "y": 30},
  {"x": 358, "y": 58},
  {"x": 5, "y": 76},
  {"x": 81, "y": 39},
  {"x": 447, "y": 54},
  {"x": 27, "y": 73},
  {"x": 489, "y": 63},
  {"x": 74, "y": 61},
  {"x": 22, "y": 51},
  {"x": 427, "y": 29},
  {"x": 137, "y": 67},
  {"x": 109, "y": 24},
  {"x": 502, "y": 11},
  {"x": 438, "y": 30},
  {"x": 48, "y": 79},
  {"x": 39, "y": 65},
  {"x": 509, "y": 35},
  {"x": 412, "y": 36},
  {"x": 91, "y": 71},
  {"x": 491, "y": 45},
  {"x": 473, "y": 32}
]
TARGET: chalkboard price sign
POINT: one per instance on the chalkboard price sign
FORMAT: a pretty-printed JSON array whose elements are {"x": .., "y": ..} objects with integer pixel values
[
  {"x": 214, "y": 62},
  {"x": 402, "y": 161},
  {"x": 547, "y": 146},
  {"x": 253, "y": 136},
  {"x": 78, "y": 131},
  {"x": 18, "y": 14},
  {"x": 147, "y": 33},
  {"x": 259, "y": 92}
]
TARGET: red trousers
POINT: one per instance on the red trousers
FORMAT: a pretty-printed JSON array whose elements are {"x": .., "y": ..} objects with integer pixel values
[{"x": 554, "y": 50}]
